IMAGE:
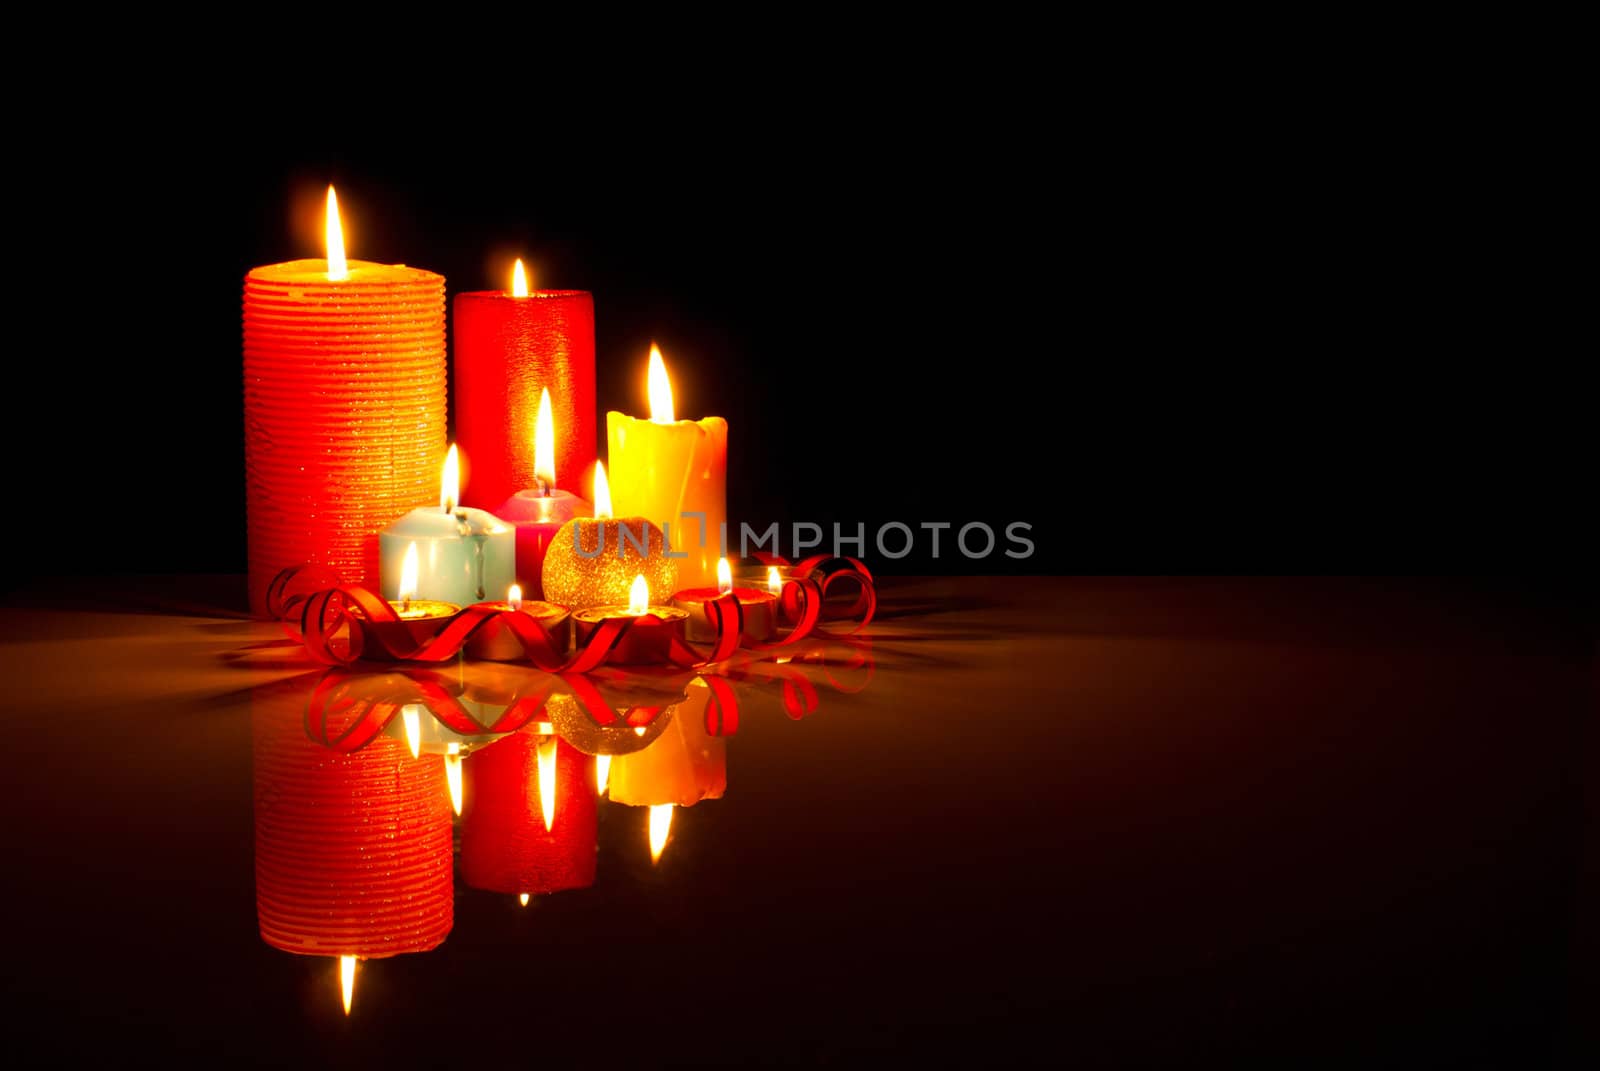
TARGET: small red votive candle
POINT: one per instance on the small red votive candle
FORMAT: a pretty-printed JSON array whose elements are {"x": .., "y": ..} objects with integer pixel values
[
  {"x": 646, "y": 643},
  {"x": 760, "y": 608},
  {"x": 494, "y": 642},
  {"x": 539, "y": 512}
]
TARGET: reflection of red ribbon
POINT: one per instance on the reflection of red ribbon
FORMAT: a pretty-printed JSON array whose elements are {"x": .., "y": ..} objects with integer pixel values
[
  {"x": 317, "y": 606},
  {"x": 348, "y": 710}
]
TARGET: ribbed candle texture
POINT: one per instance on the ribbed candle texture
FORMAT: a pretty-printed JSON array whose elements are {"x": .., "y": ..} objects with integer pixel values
[
  {"x": 345, "y": 408},
  {"x": 352, "y": 850}
]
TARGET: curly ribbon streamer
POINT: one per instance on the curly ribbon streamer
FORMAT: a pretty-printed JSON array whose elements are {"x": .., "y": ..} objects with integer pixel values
[
  {"x": 376, "y": 632},
  {"x": 323, "y": 605},
  {"x": 852, "y": 569}
]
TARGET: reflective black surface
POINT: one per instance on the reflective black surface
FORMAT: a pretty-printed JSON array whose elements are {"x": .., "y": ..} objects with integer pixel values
[{"x": 1096, "y": 822}]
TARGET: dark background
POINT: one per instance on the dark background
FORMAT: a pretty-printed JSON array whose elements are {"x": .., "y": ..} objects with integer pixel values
[{"x": 1155, "y": 342}]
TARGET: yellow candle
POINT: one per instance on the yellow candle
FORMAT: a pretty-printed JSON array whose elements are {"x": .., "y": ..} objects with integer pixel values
[{"x": 673, "y": 472}]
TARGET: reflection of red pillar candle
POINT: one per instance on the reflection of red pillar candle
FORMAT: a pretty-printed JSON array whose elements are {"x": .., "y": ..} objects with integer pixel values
[
  {"x": 344, "y": 407},
  {"x": 683, "y": 765},
  {"x": 352, "y": 850},
  {"x": 504, "y": 844},
  {"x": 507, "y": 349}
]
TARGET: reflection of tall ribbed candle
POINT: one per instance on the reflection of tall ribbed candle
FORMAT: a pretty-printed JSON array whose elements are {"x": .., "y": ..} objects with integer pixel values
[
  {"x": 352, "y": 850},
  {"x": 505, "y": 845},
  {"x": 508, "y": 349},
  {"x": 344, "y": 396}
]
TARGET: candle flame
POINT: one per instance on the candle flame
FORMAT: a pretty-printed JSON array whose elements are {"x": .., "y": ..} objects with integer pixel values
[
  {"x": 724, "y": 577},
  {"x": 523, "y": 899},
  {"x": 660, "y": 387},
  {"x": 514, "y": 596},
  {"x": 408, "y": 575},
  {"x": 519, "y": 280},
  {"x": 547, "y": 781},
  {"x": 347, "y": 980},
  {"x": 413, "y": 723},
  {"x": 544, "y": 442},
  {"x": 774, "y": 581},
  {"x": 639, "y": 597},
  {"x": 602, "y": 773},
  {"x": 450, "y": 481},
  {"x": 452, "y": 774},
  {"x": 333, "y": 234},
  {"x": 602, "y": 491},
  {"x": 660, "y": 824}
]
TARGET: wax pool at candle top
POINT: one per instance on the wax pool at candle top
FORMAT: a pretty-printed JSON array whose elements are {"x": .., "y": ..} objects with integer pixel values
[{"x": 463, "y": 555}]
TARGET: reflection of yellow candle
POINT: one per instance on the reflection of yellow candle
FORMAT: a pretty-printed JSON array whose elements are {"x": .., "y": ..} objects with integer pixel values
[
  {"x": 684, "y": 765},
  {"x": 666, "y": 469}
]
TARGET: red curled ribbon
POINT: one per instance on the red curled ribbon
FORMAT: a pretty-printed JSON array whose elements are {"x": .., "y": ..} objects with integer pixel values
[{"x": 316, "y": 605}]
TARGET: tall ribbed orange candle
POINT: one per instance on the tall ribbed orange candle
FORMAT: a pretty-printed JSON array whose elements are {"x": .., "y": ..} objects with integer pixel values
[{"x": 344, "y": 398}]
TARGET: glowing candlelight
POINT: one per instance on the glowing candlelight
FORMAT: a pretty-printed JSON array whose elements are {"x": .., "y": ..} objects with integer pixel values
[
  {"x": 774, "y": 581},
  {"x": 452, "y": 773},
  {"x": 347, "y": 964},
  {"x": 639, "y": 597},
  {"x": 602, "y": 773},
  {"x": 544, "y": 445},
  {"x": 547, "y": 780},
  {"x": 602, "y": 492},
  {"x": 519, "y": 280},
  {"x": 724, "y": 577},
  {"x": 660, "y": 824},
  {"x": 333, "y": 235},
  {"x": 410, "y": 715}
]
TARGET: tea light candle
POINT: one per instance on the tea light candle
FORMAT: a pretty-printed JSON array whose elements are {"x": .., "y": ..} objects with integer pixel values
[
  {"x": 759, "y": 608},
  {"x": 466, "y": 553},
  {"x": 497, "y": 643},
  {"x": 538, "y": 513},
  {"x": 421, "y": 617},
  {"x": 647, "y": 642}
]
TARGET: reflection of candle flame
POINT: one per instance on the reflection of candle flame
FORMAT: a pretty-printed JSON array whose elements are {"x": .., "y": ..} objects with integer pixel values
[
  {"x": 347, "y": 980},
  {"x": 724, "y": 577},
  {"x": 544, "y": 443},
  {"x": 661, "y": 411},
  {"x": 413, "y": 724},
  {"x": 523, "y": 899},
  {"x": 602, "y": 772},
  {"x": 660, "y": 823},
  {"x": 452, "y": 774},
  {"x": 639, "y": 597},
  {"x": 333, "y": 234},
  {"x": 519, "y": 280},
  {"x": 450, "y": 481},
  {"x": 774, "y": 581},
  {"x": 602, "y": 491},
  {"x": 547, "y": 780}
]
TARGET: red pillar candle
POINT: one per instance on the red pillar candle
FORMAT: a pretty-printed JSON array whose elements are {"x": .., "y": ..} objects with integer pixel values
[
  {"x": 508, "y": 349},
  {"x": 352, "y": 850},
  {"x": 538, "y": 512},
  {"x": 505, "y": 844},
  {"x": 344, "y": 398}
]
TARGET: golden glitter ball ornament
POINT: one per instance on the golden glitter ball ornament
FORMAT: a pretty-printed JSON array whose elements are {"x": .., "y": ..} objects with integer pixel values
[{"x": 578, "y": 582}]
